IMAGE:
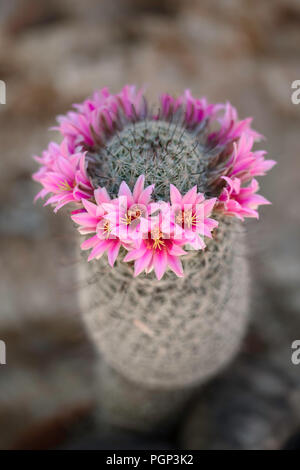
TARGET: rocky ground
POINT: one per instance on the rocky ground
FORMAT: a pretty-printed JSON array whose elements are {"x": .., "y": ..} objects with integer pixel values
[{"x": 55, "y": 53}]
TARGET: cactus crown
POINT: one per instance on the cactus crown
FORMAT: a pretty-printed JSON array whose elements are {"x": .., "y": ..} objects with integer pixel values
[
  {"x": 164, "y": 152},
  {"x": 189, "y": 153}
]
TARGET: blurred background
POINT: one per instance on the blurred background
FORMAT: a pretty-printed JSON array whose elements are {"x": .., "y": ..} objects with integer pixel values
[{"x": 54, "y": 53}]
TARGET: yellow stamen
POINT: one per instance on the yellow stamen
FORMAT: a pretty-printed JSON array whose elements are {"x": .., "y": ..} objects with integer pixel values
[
  {"x": 106, "y": 229},
  {"x": 158, "y": 241},
  {"x": 126, "y": 220},
  {"x": 186, "y": 218},
  {"x": 65, "y": 186},
  {"x": 131, "y": 215},
  {"x": 190, "y": 218}
]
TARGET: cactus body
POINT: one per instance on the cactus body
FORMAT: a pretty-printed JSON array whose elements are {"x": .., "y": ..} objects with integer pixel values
[
  {"x": 173, "y": 332},
  {"x": 169, "y": 329},
  {"x": 156, "y": 338}
]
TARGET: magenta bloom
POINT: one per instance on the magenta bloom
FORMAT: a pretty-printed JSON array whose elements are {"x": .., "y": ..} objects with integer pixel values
[
  {"x": 191, "y": 212},
  {"x": 232, "y": 128},
  {"x": 157, "y": 252},
  {"x": 199, "y": 110},
  {"x": 129, "y": 210},
  {"x": 195, "y": 110},
  {"x": 244, "y": 163},
  {"x": 187, "y": 145},
  {"x": 64, "y": 176},
  {"x": 89, "y": 124},
  {"x": 47, "y": 162},
  {"x": 91, "y": 220},
  {"x": 241, "y": 201}
]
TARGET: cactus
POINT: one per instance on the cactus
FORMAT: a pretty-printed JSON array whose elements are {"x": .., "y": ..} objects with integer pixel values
[
  {"x": 165, "y": 335},
  {"x": 172, "y": 311}
]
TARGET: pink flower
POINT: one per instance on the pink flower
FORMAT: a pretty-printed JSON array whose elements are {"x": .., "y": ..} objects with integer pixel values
[
  {"x": 195, "y": 110},
  {"x": 92, "y": 220},
  {"x": 96, "y": 116},
  {"x": 154, "y": 233},
  {"x": 232, "y": 128},
  {"x": 157, "y": 251},
  {"x": 47, "y": 161},
  {"x": 244, "y": 163},
  {"x": 50, "y": 155},
  {"x": 64, "y": 176},
  {"x": 191, "y": 212},
  {"x": 127, "y": 212},
  {"x": 238, "y": 201}
]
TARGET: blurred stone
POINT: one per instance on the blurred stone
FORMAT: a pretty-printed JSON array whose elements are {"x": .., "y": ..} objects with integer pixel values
[
  {"x": 255, "y": 403},
  {"x": 249, "y": 408},
  {"x": 45, "y": 384},
  {"x": 21, "y": 218},
  {"x": 27, "y": 14}
]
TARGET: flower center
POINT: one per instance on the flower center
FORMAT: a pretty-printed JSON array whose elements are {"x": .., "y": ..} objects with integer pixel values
[
  {"x": 133, "y": 214},
  {"x": 186, "y": 218},
  {"x": 105, "y": 227},
  {"x": 155, "y": 240},
  {"x": 65, "y": 186}
]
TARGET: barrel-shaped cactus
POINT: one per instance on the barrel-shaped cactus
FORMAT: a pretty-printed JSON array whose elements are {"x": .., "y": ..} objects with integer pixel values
[{"x": 164, "y": 194}]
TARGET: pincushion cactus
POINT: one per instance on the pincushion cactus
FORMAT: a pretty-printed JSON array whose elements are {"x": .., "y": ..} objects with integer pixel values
[{"x": 163, "y": 194}]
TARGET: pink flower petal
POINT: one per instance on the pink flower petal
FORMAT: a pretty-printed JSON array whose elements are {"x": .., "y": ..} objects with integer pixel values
[
  {"x": 113, "y": 252},
  {"x": 90, "y": 207},
  {"x": 175, "y": 195},
  {"x": 142, "y": 263},
  {"x": 89, "y": 243},
  {"x": 175, "y": 265},
  {"x": 98, "y": 250},
  {"x": 138, "y": 187},
  {"x": 135, "y": 253},
  {"x": 160, "y": 261},
  {"x": 125, "y": 191}
]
